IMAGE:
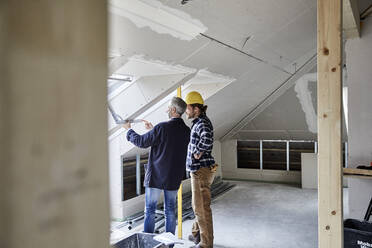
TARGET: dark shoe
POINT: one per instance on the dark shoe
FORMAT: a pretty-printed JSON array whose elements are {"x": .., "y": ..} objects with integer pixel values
[{"x": 194, "y": 239}]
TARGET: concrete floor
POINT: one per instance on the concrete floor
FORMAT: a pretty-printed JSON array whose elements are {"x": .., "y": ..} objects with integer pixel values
[{"x": 264, "y": 215}]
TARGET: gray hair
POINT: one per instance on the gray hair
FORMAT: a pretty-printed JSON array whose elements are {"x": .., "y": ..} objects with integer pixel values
[{"x": 179, "y": 104}]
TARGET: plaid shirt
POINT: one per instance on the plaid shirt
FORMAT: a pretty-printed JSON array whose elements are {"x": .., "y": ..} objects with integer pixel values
[{"x": 201, "y": 140}]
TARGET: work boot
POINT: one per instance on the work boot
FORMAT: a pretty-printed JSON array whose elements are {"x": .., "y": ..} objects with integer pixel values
[{"x": 195, "y": 239}]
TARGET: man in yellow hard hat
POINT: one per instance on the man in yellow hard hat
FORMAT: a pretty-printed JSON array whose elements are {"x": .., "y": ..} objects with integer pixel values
[{"x": 202, "y": 167}]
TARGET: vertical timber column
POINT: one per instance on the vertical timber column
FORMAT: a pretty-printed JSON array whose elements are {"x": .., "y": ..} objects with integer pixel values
[
  {"x": 179, "y": 196},
  {"x": 330, "y": 213},
  {"x": 5, "y": 204},
  {"x": 138, "y": 174},
  {"x": 54, "y": 172}
]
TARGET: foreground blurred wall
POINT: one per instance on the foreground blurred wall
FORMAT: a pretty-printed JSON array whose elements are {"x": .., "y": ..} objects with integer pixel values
[{"x": 53, "y": 143}]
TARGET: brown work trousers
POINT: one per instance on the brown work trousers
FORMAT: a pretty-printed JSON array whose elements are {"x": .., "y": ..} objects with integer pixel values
[{"x": 201, "y": 181}]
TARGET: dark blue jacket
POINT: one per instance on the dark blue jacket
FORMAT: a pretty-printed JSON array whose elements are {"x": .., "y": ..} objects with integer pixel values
[{"x": 168, "y": 141}]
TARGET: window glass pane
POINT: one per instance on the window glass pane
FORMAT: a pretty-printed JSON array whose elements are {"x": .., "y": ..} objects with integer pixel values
[
  {"x": 249, "y": 154},
  {"x": 129, "y": 177},
  {"x": 295, "y": 150},
  {"x": 274, "y": 156}
]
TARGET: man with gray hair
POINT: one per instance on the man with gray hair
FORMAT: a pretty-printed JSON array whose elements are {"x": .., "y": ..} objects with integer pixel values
[{"x": 166, "y": 165}]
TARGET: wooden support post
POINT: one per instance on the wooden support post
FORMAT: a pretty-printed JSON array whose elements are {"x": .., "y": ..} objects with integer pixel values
[
  {"x": 54, "y": 175},
  {"x": 330, "y": 212},
  {"x": 179, "y": 197},
  {"x": 138, "y": 174}
]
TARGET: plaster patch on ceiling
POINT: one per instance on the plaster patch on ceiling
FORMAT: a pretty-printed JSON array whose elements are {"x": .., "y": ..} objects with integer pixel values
[
  {"x": 158, "y": 17},
  {"x": 304, "y": 96},
  {"x": 150, "y": 66}
]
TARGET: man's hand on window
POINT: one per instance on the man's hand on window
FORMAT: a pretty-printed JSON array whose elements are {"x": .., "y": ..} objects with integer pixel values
[{"x": 148, "y": 125}]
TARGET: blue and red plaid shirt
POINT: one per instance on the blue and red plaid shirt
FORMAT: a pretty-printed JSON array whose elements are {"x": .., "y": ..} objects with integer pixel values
[{"x": 201, "y": 140}]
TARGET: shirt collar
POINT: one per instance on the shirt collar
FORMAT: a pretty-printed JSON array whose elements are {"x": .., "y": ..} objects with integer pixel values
[
  {"x": 202, "y": 116},
  {"x": 175, "y": 119}
]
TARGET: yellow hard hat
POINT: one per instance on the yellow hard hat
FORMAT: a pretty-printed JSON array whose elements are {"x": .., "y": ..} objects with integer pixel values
[{"x": 194, "y": 98}]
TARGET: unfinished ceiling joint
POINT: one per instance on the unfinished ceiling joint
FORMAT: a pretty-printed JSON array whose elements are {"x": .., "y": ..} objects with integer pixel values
[{"x": 247, "y": 54}]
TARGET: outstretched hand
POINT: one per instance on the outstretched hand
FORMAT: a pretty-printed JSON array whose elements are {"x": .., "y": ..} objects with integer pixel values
[
  {"x": 127, "y": 126},
  {"x": 148, "y": 125}
]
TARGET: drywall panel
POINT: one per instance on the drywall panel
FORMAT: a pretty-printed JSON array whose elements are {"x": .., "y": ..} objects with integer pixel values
[
  {"x": 220, "y": 59},
  {"x": 158, "y": 17},
  {"x": 138, "y": 66},
  {"x": 268, "y": 54},
  {"x": 286, "y": 113},
  {"x": 309, "y": 170},
  {"x": 154, "y": 86},
  {"x": 358, "y": 64},
  {"x": 127, "y": 40},
  {"x": 229, "y": 156},
  {"x": 302, "y": 30},
  {"x": 129, "y": 101},
  {"x": 216, "y": 153},
  {"x": 241, "y": 96},
  {"x": 116, "y": 178},
  {"x": 234, "y": 21}
]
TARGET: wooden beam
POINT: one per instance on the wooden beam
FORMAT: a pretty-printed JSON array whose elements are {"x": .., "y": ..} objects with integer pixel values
[
  {"x": 179, "y": 194},
  {"x": 360, "y": 172},
  {"x": 330, "y": 211},
  {"x": 54, "y": 178},
  {"x": 351, "y": 19}
]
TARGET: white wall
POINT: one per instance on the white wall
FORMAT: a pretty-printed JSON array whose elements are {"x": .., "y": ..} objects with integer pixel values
[
  {"x": 229, "y": 158},
  {"x": 216, "y": 153},
  {"x": 116, "y": 178},
  {"x": 230, "y": 168},
  {"x": 309, "y": 170},
  {"x": 359, "y": 72}
]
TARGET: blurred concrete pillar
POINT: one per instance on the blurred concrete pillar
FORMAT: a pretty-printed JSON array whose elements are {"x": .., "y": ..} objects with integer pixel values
[{"x": 53, "y": 124}]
